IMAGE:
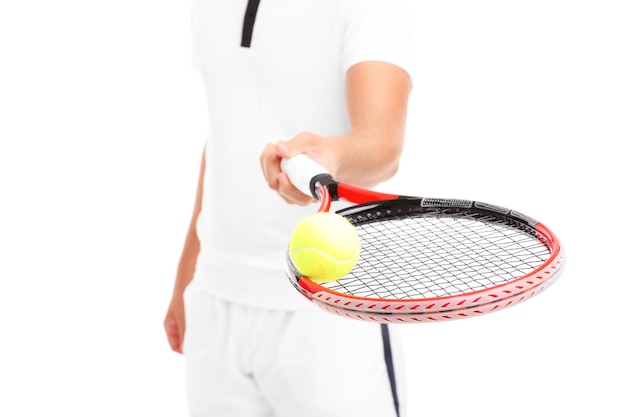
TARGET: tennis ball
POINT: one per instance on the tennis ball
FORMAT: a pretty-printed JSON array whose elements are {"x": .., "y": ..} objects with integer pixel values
[{"x": 324, "y": 247}]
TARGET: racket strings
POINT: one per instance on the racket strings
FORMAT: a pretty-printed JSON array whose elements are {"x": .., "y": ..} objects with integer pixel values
[{"x": 424, "y": 257}]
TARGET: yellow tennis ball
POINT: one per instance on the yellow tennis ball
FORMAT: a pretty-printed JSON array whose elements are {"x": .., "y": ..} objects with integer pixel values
[{"x": 324, "y": 247}]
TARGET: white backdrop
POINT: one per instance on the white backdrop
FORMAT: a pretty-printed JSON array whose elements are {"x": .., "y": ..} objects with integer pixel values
[{"x": 101, "y": 127}]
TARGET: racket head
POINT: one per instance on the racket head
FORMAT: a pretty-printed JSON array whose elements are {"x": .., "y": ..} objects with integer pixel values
[{"x": 425, "y": 260}]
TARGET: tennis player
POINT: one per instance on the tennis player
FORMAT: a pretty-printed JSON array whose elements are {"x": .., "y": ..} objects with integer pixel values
[{"x": 328, "y": 78}]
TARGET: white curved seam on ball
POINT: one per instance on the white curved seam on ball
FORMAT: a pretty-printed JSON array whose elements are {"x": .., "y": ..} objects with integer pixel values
[{"x": 351, "y": 259}]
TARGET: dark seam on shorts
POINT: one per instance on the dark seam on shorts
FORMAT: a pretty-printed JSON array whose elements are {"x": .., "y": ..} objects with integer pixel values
[{"x": 390, "y": 370}]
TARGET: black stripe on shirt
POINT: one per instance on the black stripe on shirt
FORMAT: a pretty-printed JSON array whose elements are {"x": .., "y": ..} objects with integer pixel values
[{"x": 248, "y": 22}]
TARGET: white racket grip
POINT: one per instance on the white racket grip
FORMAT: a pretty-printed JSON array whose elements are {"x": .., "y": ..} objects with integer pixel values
[{"x": 301, "y": 170}]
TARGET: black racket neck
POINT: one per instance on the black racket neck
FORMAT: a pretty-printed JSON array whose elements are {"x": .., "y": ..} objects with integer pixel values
[{"x": 326, "y": 181}]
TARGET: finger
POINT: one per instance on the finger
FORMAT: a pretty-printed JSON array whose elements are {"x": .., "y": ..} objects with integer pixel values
[
  {"x": 263, "y": 160},
  {"x": 270, "y": 165},
  {"x": 173, "y": 335},
  {"x": 290, "y": 193}
]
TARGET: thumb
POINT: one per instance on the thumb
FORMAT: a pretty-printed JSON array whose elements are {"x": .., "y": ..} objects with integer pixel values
[
  {"x": 303, "y": 142},
  {"x": 282, "y": 150}
]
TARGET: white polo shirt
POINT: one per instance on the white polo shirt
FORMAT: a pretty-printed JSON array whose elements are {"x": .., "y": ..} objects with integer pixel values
[{"x": 272, "y": 69}]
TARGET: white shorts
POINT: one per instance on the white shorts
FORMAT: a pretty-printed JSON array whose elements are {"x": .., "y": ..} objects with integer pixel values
[{"x": 247, "y": 361}]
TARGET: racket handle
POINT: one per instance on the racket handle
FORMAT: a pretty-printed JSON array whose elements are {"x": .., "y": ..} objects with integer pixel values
[{"x": 303, "y": 172}]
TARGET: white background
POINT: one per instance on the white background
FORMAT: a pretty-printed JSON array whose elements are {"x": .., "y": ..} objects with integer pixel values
[{"x": 102, "y": 123}]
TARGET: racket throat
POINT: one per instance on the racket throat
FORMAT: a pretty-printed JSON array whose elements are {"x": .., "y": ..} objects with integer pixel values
[{"x": 324, "y": 181}]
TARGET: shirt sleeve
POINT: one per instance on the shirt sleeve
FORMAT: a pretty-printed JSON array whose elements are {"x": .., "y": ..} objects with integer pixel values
[{"x": 376, "y": 30}]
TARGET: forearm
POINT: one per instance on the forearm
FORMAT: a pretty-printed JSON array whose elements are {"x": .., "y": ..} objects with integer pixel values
[
  {"x": 377, "y": 97},
  {"x": 191, "y": 247},
  {"x": 377, "y": 100},
  {"x": 367, "y": 158},
  {"x": 187, "y": 261}
]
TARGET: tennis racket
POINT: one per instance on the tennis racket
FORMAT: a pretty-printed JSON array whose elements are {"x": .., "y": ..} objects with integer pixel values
[{"x": 427, "y": 259}]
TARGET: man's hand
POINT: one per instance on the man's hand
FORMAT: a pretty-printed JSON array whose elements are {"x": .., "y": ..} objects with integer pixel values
[
  {"x": 174, "y": 323},
  {"x": 316, "y": 147}
]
